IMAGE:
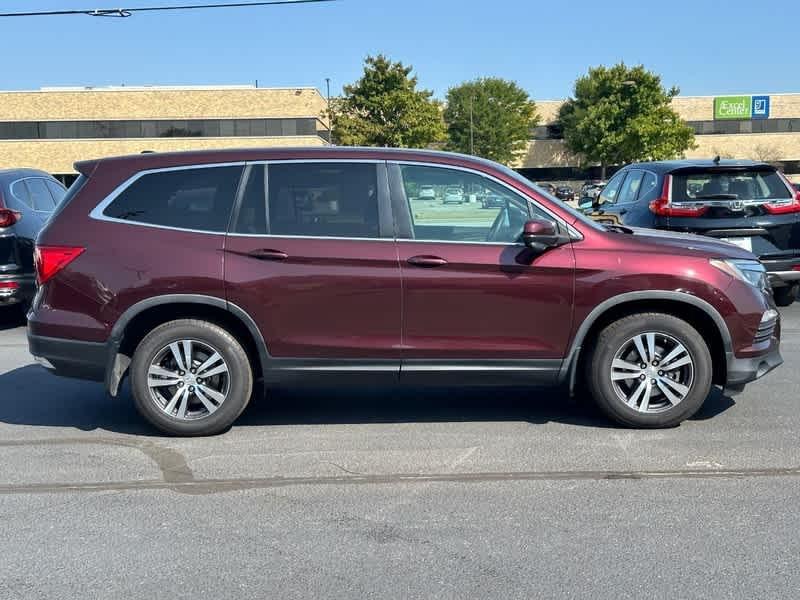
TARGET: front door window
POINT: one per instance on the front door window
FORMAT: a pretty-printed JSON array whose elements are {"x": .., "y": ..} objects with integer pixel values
[{"x": 451, "y": 205}]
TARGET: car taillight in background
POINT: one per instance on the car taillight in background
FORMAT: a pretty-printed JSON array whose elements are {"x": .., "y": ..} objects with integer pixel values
[
  {"x": 783, "y": 207},
  {"x": 51, "y": 259},
  {"x": 8, "y": 217},
  {"x": 663, "y": 207}
]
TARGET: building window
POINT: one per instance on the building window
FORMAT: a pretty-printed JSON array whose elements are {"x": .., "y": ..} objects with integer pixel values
[{"x": 116, "y": 129}]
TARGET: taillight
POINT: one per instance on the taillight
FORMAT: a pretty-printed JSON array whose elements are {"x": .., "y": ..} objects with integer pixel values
[
  {"x": 784, "y": 207},
  {"x": 663, "y": 207},
  {"x": 8, "y": 217},
  {"x": 51, "y": 259}
]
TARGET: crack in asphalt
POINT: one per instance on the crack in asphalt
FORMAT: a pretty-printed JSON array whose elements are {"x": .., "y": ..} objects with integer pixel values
[
  {"x": 211, "y": 486},
  {"x": 171, "y": 463},
  {"x": 177, "y": 476}
]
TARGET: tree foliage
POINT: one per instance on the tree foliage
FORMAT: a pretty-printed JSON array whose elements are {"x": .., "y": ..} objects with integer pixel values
[
  {"x": 502, "y": 116},
  {"x": 622, "y": 114},
  {"x": 385, "y": 108}
]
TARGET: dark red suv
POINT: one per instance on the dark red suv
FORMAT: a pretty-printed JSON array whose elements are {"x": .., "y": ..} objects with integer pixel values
[{"x": 198, "y": 274}]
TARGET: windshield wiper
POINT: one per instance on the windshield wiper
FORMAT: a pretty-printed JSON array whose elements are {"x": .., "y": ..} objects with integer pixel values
[{"x": 717, "y": 197}]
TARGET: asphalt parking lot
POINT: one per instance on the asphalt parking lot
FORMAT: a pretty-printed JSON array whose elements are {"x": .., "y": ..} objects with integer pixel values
[{"x": 420, "y": 493}]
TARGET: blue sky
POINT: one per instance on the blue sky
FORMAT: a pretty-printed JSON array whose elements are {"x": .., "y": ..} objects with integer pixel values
[{"x": 703, "y": 46}]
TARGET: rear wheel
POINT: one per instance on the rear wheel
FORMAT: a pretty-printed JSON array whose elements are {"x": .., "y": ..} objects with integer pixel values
[
  {"x": 650, "y": 370},
  {"x": 190, "y": 378}
]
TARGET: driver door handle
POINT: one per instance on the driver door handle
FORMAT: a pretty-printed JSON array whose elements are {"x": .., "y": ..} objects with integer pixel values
[
  {"x": 268, "y": 254},
  {"x": 425, "y": 260}
]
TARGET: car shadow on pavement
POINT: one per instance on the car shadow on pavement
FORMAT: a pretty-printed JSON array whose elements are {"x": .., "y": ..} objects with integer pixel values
[{"x": 31, "y": 396}]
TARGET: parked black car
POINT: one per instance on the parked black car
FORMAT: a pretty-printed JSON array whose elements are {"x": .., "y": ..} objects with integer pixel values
[
  {"x": 547, "y": 187},
  {"x": 27, "y": 199},
  {"x": 749, "y": 204},
  {"x": 565, "y": 193}
]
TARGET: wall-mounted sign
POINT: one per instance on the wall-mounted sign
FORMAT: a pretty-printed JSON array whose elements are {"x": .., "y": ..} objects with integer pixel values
[{"x": 741, "y": 107}]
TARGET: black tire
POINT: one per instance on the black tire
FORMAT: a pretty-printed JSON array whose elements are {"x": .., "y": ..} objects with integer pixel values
[
  {"x": 615, "y": 336},
  {"x": 240, "y": 377},
  {"x": 785, "y": 296}
]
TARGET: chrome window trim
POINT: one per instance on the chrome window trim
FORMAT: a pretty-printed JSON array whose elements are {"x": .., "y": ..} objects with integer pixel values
[
  {"x": 573, "y": 233},
  {"x": 309, "y": 237},
  {"x": 97, "y": 211}
]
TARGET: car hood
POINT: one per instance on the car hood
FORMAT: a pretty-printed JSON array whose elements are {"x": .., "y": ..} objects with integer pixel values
[{"x": 690, "y": 243}]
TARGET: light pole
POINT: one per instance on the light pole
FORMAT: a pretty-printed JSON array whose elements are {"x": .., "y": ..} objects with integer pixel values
[{"x": 330, "y": 114}]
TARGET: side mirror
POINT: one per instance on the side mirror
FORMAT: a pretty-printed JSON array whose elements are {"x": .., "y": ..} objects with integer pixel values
[
  {"x": 540, "y": 235},
  {"x": 597, "y": 202}
]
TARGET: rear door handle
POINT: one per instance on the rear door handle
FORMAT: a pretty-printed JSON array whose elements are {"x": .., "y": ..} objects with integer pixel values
[
  {"x": 426, "y": 261},
  {"x": 268, "y": 254}
]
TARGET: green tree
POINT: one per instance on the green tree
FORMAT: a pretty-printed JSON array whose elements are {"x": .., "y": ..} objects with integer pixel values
[
  {"x": 622, "y": 114},
  {"x": 385, "y": 108},
  {"x": 489, "y": 117}
]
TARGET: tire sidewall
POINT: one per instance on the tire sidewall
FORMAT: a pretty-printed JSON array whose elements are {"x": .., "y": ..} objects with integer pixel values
[
  {"x": 240, "y": 375},
  {"x": 612, "y": 339}
]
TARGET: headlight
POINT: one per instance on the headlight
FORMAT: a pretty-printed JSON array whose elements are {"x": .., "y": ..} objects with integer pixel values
[{"x": 749, "y": 271}]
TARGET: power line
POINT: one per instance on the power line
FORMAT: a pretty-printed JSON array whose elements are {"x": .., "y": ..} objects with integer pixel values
[{"x": 127, "y": 12}]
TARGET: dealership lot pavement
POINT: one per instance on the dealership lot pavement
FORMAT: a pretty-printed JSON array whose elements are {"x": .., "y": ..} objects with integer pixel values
[{"x": 411, "y": 493}]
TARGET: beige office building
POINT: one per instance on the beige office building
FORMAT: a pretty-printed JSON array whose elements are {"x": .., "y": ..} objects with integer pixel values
[
  {"x": 749, "y": 126},
  {"x": 52, "y": 128}
]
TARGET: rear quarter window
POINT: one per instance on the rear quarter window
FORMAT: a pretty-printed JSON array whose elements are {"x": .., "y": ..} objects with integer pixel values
[{"x": 197, "y": 198}]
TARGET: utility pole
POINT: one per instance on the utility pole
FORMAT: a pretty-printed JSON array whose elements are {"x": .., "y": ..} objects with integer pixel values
[{"x": 330, "y": 114}]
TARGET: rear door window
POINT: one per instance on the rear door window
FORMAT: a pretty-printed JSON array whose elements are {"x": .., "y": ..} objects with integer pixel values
[
  {"x": 41, "y": 198},
  {"x": 325, "y": 199},
  {"x": 729, "y": 185},
  {"x": 630, "y": 188},
  {"x": 199, "y": 199}
]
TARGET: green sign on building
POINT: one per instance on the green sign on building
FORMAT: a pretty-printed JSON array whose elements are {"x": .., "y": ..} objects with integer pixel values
[{"x": 733, "y": 107}]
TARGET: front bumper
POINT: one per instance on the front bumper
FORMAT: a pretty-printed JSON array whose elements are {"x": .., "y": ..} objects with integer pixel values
[
  {"x": 781, "y": 271},
  {"x": 742, "y": 371}
]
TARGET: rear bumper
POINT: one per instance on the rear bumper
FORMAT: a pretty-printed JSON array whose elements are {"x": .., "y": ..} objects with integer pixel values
[
  {"x": 70, "y": 358},
  {"x": 742, "y": 371},
  {"x": 781, "y": 271},
  {"x": 23, "y": 290}
]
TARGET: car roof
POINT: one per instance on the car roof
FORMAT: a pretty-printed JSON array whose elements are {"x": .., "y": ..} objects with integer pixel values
[
  {"x": 154, "y": 160},
  {"x": 668, "y": 166},
  {"x": 12, "y": 174}
]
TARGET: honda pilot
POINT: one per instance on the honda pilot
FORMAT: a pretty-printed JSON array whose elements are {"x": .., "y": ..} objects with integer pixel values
[{"x": 198, "y": 275}]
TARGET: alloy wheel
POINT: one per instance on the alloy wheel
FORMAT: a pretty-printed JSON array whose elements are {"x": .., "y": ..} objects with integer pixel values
[
  {"x": 652, "y": 372},
  {"x": 188, "y": 379}
]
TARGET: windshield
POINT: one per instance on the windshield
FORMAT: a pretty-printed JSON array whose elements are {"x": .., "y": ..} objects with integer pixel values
[{"x": 579, "y": 216}]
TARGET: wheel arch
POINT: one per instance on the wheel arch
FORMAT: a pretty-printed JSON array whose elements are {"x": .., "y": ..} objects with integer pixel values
[
  {"x": 142, "y": 317},
  {"x": 695, "y": 311}
]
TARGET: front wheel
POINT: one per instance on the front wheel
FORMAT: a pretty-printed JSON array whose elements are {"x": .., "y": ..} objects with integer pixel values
[
  {"x": 785, "y": 296},
  {"x": 190, "y": 378},
  {"x": 650, "y": 370}
]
